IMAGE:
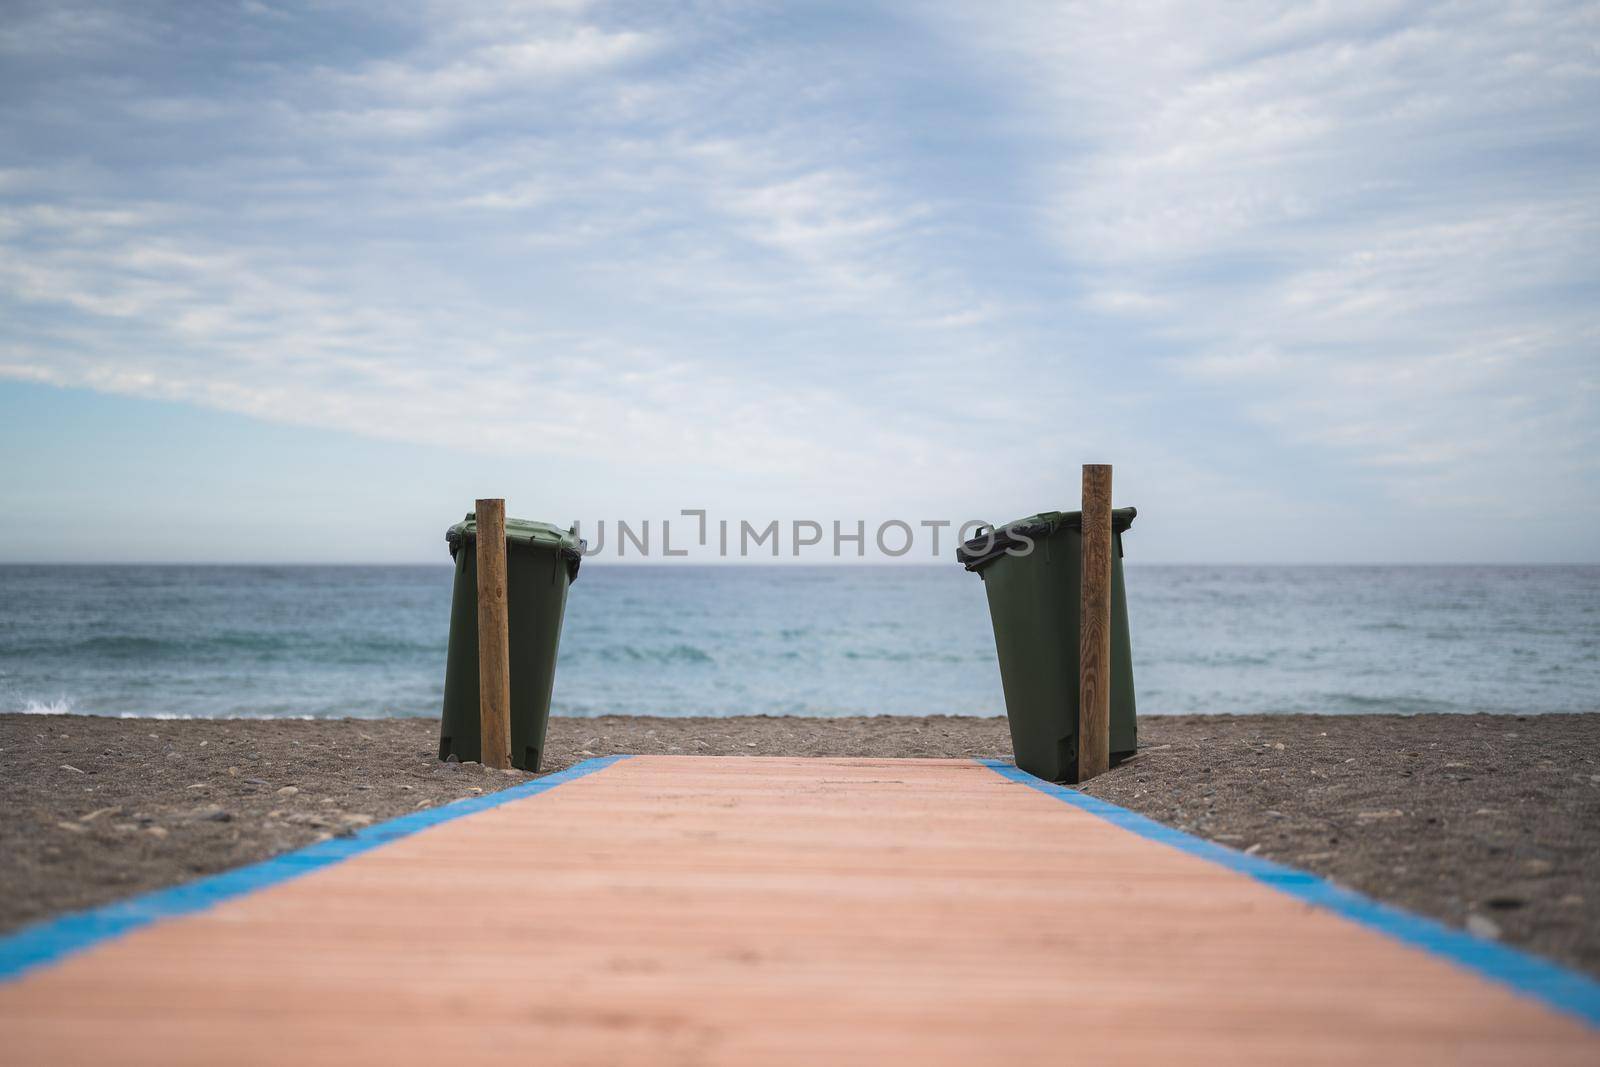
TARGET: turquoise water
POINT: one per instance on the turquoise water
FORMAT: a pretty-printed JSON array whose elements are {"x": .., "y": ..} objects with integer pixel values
[{"x": 821, "y": 640}]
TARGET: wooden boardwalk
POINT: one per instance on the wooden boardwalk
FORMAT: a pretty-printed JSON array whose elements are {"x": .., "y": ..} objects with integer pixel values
[{"x": 680, "y": 910}]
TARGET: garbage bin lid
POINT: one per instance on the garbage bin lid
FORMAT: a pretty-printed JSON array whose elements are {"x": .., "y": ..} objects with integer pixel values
[
  {"x": 523, "y": 533},
  {"x": 978, "y": 552}
]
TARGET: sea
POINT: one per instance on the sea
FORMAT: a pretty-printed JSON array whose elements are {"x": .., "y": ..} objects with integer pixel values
[{"x": 824, "y": 640}]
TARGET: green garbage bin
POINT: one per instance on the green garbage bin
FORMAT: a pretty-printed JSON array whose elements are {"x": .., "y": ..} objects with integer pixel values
[
  {"x": 1034, "y": 605},
  {"x": 541, "y": 562}
]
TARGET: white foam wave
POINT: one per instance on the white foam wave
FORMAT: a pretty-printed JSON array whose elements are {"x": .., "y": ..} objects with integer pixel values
[
  {"x": 183, "y": 715},
  {"x": 58, "y": 706}
]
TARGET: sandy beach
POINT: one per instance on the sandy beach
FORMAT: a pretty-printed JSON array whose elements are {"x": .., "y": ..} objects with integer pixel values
[{"x": 1486, "y": 822}]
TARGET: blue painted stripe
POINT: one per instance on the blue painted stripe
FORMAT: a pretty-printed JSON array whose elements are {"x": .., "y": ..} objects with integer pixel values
[
  {"x": 1565, "y": 990},
  {"x": 54, "y": 939}
]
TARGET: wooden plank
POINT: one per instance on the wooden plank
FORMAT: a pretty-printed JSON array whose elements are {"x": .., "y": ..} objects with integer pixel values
[
  {"x": 1094, "y": 626},
  {"x": 695, "y": 910},
  {"x": 494, "y": 642}
]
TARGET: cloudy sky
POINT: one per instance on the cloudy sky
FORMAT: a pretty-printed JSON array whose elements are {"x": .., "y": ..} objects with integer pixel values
[{"x": 299, "y": 281}]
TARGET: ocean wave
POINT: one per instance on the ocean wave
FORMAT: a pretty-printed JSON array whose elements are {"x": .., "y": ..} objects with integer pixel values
[
  {"x": 1362, "y": 703},
  {"x": 127, "y": 645},
  {"x": 1223, "y": 659},
  {"x": 883, "y": 655},
  {"x": 185, "y": 716},
  {"x": 58, "y": 706},
  {"x": 634, "y": 654},
  {"x": 336, "y": 648}
]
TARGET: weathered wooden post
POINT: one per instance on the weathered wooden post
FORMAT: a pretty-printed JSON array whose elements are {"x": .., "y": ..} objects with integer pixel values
[
  {"x": 494, "y": 642},
  {"x": 1094, "y": 629}
]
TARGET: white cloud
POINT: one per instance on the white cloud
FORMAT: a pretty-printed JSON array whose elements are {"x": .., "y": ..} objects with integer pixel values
[
  {"x": 1349, "y": 214},
  {"x": 493, "y": 66},
  {"x": 1124, "y": 301}
]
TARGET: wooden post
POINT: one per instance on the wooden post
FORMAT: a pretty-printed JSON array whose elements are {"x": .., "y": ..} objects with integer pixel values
[
  {"x": 494, "y": 642},
  {"x": 1094, "y": 627}
]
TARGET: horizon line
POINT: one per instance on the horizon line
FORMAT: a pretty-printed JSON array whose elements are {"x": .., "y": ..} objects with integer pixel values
[{"x": 782, "y": 563}]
